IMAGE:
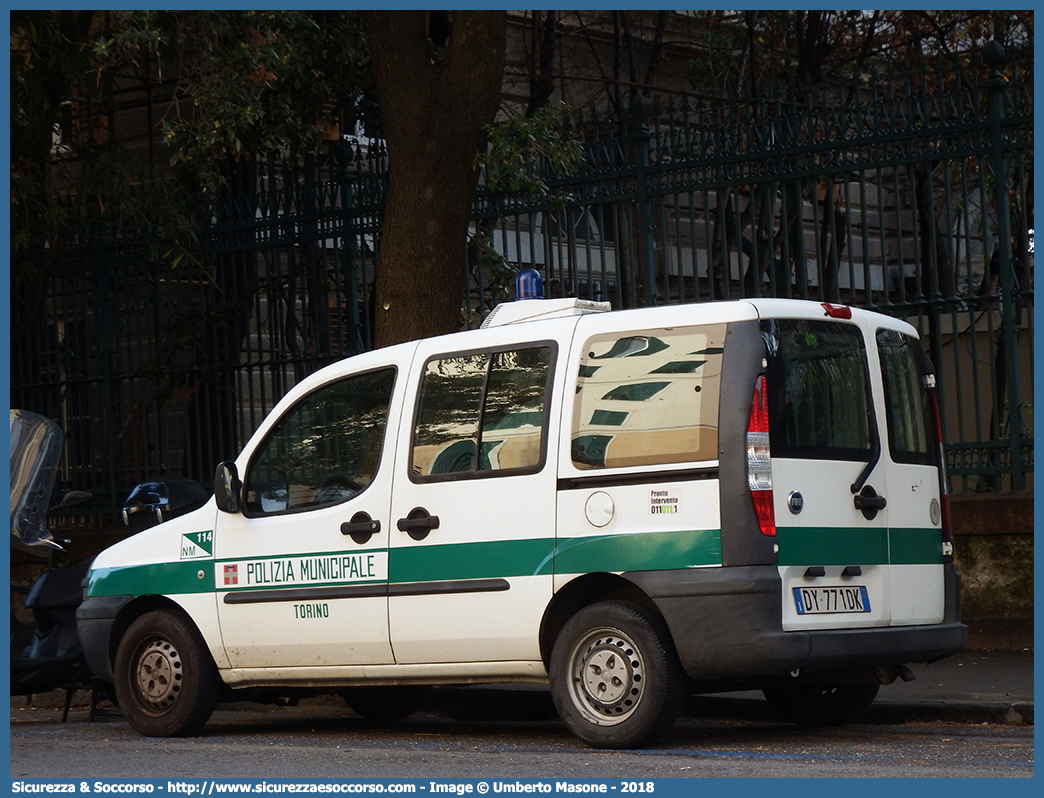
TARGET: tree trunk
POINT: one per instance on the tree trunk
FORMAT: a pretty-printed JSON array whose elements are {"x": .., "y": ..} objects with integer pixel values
[{"x": 434, "y": 105}]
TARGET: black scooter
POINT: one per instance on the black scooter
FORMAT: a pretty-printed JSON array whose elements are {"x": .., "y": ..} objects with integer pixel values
[{"x": 53, "y": 658}]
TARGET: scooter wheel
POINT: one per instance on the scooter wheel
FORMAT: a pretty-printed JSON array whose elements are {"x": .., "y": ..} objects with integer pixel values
[{"x": 166, "y": 681}]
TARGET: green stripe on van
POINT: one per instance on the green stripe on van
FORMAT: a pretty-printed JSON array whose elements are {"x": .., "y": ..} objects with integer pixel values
[
  {"x": 647, "y": 551},
  {"x": 832, "y": 545},
  {"x": 503, "y": 558},
  {"x": 168, "y": 578},
  {"x": 915, "y": 546},
  {"x": 858, "y": 546},
  {"x": 421, "y": 563}
]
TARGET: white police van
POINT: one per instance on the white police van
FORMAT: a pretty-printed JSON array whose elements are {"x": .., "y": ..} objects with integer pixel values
[{"x": 632, "y": 506}]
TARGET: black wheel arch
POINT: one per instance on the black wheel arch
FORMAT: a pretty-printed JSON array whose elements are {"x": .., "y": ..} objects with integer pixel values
[
  {"x": 579, "y": 593},
  {"x": 135, "y": 609}
]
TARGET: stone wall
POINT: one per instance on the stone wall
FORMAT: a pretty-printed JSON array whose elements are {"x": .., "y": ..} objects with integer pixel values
[{"x": 993, "y": 550}]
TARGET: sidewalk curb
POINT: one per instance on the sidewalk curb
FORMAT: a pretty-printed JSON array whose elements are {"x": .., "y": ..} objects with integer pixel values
[
  {"x": 493, "y": 703},
  {"x": 883, "y": 712},
  {"x": 528, "y": 704}
]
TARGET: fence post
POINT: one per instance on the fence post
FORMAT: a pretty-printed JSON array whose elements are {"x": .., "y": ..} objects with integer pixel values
[
  {"x": 639, "y": 133},
  {"x": 345, "y": 153},
  {"x": 103, "y": 287},
  {"x": 994, "y": 56}
]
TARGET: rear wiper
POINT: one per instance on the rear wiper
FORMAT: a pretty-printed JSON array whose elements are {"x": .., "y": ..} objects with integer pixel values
[{"x": 875, "y": 455}]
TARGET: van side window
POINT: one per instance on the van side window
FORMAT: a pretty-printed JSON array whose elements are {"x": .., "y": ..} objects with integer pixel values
[
  {"x": 482, "y": 413},
  {"x": 648, "y": 398},
  {"x": 819, "y": 390},
  {"x": 326, "y": 449},
  {"x": 906, "y": 399}
]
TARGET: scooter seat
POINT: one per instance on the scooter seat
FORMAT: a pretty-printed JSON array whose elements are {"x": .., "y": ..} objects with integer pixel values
[{"x": 57, "y": 588}]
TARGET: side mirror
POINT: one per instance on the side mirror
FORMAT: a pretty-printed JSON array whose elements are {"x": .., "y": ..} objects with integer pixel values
[{"x": 228, "y": 489}]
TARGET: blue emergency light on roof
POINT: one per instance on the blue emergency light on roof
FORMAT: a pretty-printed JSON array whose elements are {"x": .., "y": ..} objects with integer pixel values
[{"x": 529, "y": 285}]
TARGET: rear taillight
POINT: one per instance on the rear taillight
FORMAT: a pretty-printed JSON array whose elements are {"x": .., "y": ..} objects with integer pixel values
[
  {"x": 759, "y": 463},
  {"x": 944, "y": 493}
]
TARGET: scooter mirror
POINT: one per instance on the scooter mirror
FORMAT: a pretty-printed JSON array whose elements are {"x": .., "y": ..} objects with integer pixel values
[
  {"x": 75, "y": 498},
  {"x": 227, "y": 488}
]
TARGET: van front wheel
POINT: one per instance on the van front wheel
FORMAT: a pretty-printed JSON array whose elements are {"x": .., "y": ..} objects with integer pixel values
[
  {"x": 615, "y": 678},
  {"x": 822, "y": 706},
  {"x": 166, "y": 681}
]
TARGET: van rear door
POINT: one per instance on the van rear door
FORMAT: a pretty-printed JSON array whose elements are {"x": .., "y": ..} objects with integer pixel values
[
  {"x": 854, "y": 474},
  {"x": 825, "y": 447},
  {"x": 914, "y": 487}
]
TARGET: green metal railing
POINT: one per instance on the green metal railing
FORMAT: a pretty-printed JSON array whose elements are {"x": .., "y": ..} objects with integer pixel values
[{"x": 907, "y": 193}]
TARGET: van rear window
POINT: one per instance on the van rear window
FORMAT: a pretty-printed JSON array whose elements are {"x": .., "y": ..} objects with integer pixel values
[
  {"x": 819, "y": 390},
  {"x": 906, "y": 399},
  {"x": 648, "y": 398}
]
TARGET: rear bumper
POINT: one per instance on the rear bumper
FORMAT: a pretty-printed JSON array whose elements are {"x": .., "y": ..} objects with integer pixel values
[{"x": 726, "y": 624}]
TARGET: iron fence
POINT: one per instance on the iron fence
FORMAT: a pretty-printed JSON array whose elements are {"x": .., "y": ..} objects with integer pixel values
[{"x": 907, "y": 193}]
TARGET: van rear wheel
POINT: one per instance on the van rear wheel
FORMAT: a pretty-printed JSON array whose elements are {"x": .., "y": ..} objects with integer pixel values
[
  {"x": 822, "y": 705},
  {"x": 615, "y": 677},
  {"x": 166, "y": 682}
]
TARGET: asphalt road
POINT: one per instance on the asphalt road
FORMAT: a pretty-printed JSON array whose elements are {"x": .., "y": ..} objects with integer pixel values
[{"x": 328, "y": 741}]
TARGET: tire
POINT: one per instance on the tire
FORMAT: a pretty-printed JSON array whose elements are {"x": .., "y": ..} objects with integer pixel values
[
  {"x": 822, "y": 705},
  {"x": 615, "y": 678},
  {"x": 386, "y": 704},
  {"x": 166, "y": 682}
]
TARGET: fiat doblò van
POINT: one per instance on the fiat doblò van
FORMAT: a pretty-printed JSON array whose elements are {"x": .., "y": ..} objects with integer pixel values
[{"x": 630, "y": 506}]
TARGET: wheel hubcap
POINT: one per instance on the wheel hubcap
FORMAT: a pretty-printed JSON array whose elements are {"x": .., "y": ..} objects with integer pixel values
[
  {"x": 608, "y": 677},
  {"x": 159, "y": 674}
]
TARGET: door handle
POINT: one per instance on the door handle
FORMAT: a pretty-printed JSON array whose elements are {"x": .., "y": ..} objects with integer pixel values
[
  {"x": 361, "y": 528},
  {"x": 869, "y": 503},
  {"x": 418, "y": 523}
]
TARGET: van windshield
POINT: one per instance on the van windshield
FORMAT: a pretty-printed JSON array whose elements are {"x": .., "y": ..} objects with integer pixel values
[{"x": 819, "y": 391}]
